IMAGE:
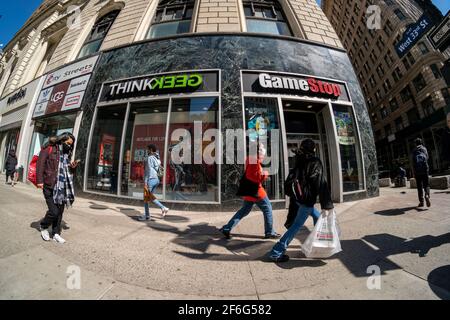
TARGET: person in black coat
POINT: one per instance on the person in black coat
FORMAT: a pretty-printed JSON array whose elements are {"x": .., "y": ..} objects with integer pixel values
[
  {"x": 445, "y": 148},
  {"x": 10, "y": 166},
  {"x": 310, "y": 174}
]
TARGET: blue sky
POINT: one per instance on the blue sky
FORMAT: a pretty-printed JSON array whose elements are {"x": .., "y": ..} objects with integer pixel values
[{"x": 14, "y": 13}]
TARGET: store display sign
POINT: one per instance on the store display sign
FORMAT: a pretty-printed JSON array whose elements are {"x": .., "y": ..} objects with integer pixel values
[
  {"x": 160, "y": 84},
  {"x": 413, "y": 34},
  {"x": 345, "y": 128},
  {"x": 292, "y": 84},
  {"x": 64, "y": 89},
  {"x": 20, "y": 97}
]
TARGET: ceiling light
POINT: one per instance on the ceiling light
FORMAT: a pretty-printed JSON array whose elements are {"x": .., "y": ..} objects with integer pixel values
[
  {"x": 310, "y": 106},
  {"x": 156, "y": 110},
  {"x": 115, "y": 114},
  {"x": 288, "y": 104},
  {"x": 180, "y": 109}
]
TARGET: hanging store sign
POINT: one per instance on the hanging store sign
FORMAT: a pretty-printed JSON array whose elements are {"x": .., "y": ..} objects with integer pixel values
[
  {"x": 300, "y": 85},
  {"x": 412, "y": 35},
  {"x": 159, "y": 84},
  {"x": 440, "y": 36},
  {"x": 64, "y": 89}
]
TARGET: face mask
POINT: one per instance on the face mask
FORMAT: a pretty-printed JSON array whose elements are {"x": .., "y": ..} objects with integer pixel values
[{"x": 66, "y": 148}]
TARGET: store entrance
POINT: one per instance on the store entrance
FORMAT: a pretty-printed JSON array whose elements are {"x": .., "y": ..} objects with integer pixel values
[{"x": 305, "y": 120}]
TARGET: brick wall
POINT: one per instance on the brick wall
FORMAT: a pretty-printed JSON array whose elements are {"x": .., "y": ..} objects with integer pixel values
[{"x": 218, "y": 15}]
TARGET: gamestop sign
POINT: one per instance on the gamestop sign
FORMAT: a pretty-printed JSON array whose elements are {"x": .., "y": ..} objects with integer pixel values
[{"x": 292, "y": 84}]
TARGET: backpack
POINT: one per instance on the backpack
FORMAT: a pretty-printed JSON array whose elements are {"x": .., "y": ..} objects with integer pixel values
[
  {"x": 32, "y": 168},
  {"x": 292, "y": 185},
  {"x": 420, "y": 162},
  {"x": 160, "y": 171}
]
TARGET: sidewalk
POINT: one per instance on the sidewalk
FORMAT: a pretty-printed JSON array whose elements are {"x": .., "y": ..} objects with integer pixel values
[{"x": 185, "y": 257}]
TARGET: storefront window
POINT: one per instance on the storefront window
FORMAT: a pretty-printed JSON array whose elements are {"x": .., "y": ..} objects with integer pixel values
[
  {"x": 104, "y": 155},
  {"x": 187, "y": 178},
  {"x": 262, "y": 122},
  {"x": 146, "y": 125},
  {"x": 347, "y": 135},
  {"x": 266, "y": 17}
]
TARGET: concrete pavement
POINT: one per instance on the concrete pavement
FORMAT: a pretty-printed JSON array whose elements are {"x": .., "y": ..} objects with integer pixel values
[{"x": 184, "y": 256}]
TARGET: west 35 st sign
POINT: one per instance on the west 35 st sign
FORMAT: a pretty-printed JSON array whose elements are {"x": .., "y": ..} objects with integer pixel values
[{"x": 160, "y": 84}]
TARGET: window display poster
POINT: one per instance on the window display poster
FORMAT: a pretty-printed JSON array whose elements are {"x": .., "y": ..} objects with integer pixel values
[
  {"x": 345, "y": 128},
  {"x": 106, "y": 157},
  {"x": 143, "y": 135}
]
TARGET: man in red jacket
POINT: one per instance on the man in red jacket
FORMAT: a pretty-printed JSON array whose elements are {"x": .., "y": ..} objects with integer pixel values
[{"x": 254, "y": 173}]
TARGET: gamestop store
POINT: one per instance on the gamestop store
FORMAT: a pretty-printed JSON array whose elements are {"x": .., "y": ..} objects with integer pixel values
[{"x": 204, "y": 100}]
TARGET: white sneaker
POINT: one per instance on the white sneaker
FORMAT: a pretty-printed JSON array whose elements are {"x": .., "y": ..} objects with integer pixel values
[
  {"x": 58, "y": 238},
  {"x": 164, "y": 211},
  {"x": 45, "y": 235}
]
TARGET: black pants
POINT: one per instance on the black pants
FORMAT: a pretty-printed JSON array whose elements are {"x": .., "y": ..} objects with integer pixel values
[
  {"x": 54, "y": 213},
  {"x": 423, "y": 184}
]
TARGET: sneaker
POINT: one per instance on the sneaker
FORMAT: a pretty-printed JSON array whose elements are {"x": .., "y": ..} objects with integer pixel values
[
  {"x": 143, "y": 218},
  {"x": 164, "y": 211},
  {"x": 226, "y": 233},
  {"x": 421, "y": 205},
  {"x": 427, "y": 200},
  {"x": 45, "y": 235},
  {"x": 58, "y": 238},
  {"x": 272, "y": 236},
  {"x": 283, "y": 258}
]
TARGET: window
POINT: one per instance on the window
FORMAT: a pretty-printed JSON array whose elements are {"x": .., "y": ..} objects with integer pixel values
[
  {"x": 400, "y": 14},
  {"x": 172, "y": 17},
  {"x": 387, "y": 86},
  {"x": 434, "y": 68},
  {"x": 372, "y": 57},
  {"x": 389, "y": 29},
  {"x": 399, "y": 124},
  {"x": 419, "y": 82},
  {"x": 409, "y": 61},
  {"x": 380, "y": 44},
  {"x": 186, "y": 177},
  {"x": 387, "y": 130},
  {"x": 406, "y": 94},
  {"x": 349, "y": 147},
  {"x": 378, "y": 95},
  {"x": 427, "y": 106},
  {"x": 372, "y": 81},
  {"x": 266, "y": 17},
  {"x": 380, "y": 71},
  {"x": 98, "y": 33},
  {"x": 384, "y": 112},
  {"x": 397, "y": 74},
  {"x": 389, "y": 2},
  {"x": 388, "y": 58},
  {"x": 366, "y": 44},
  {"x": 413, "y": 115},
  {"x": 393, "y": 104},
  {"x": 446, "y": 96},
  {"x": 423, "y": 48},
  {"x": 263, "y": 113},
  {"x": 374, "y": 118}
]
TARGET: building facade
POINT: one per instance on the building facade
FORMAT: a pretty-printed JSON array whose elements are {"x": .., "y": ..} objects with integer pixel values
[
  {"x": 123, "y": 74},
  {"x": 406, "y": 93}
]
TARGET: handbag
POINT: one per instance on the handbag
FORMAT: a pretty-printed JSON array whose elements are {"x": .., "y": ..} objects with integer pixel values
[
  {"x": 292, "y": 186},
  {"x": 148, "y": 195},
  {"x": 247, "y": 188}
]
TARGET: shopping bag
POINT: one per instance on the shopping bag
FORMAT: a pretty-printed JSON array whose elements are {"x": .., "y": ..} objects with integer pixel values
[
  {"x": 32, "y": 170},
  {"x": 323, "y": 241}
]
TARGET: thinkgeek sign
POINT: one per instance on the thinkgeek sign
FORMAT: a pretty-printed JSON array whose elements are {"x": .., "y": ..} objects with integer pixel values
[
  {"x": 160, "y": 84},
  {"x": 292, "y": 84}
]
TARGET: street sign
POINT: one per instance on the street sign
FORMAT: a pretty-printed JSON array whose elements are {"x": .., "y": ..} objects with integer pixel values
[
  {"x": 440, "y": 36},
  {"x": 413, "y": 34}
]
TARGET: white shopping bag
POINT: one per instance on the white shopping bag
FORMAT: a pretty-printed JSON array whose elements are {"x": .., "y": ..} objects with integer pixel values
[{"x": 323, "y": 242}]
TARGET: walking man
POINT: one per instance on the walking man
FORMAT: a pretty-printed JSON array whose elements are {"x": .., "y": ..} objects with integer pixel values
[
  {"x": 421, "y": 170},
  {"x": 256, "y": 175}
]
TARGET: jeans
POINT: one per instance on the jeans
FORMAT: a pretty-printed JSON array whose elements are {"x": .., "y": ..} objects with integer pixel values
[
  {"x": 54, "y": 213},
  {"x": 302, "y": 214},
  {"x": 422, "y": 184},
  {"x": 152, "y": 183},
  {"x": 266, "y": 208}
]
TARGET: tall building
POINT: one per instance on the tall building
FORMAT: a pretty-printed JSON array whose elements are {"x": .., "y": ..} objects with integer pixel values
[
  {"x": 123, "y": 74},
  {"x": 406, "y": 95}
]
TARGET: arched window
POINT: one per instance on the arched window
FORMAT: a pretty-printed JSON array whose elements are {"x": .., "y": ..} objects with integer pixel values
[
  {"x": 172, "y": 17},
  {"x": 265, "y": 16},
  {"x": 98, "y": 33}
]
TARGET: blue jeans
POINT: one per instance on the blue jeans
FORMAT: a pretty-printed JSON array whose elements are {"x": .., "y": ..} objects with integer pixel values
[
  {"x": 302, "y": 214},
  {"x": 266, "y": 208},
  {"x": 152, "y": 184}
]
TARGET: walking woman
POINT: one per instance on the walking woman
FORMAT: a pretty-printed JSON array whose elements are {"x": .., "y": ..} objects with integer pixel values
[
  {"x": 10, "y": 166},
  {"x": 309, "y": 172},
  {"x": 54, "y": 171},
  {"x": 255, "y": 174},
  {"x": 151, "y": 181}
]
